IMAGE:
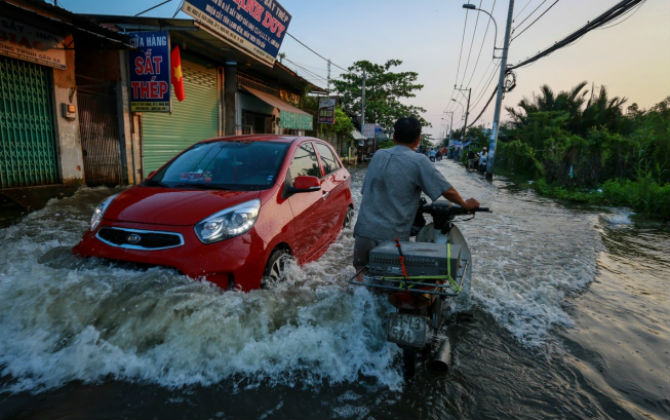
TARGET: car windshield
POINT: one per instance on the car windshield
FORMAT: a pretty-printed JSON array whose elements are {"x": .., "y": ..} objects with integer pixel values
[{"x": 231, "y": 165}]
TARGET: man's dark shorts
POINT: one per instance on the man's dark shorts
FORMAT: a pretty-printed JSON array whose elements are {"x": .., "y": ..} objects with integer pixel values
[{"x": 362, "y": 248}]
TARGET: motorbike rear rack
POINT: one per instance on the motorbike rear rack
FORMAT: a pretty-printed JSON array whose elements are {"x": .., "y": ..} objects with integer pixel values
[{"x": 448, "y": 288}]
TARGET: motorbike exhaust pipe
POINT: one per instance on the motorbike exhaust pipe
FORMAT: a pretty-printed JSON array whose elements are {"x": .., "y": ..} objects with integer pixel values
[{"x": 441, "y": 359}]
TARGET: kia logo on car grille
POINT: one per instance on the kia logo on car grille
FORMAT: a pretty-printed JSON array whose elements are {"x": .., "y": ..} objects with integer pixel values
[{"x": 133, "y": 238}]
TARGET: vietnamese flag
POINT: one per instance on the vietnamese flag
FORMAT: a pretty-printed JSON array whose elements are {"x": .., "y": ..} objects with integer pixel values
[{"x": 177, "y": 75}]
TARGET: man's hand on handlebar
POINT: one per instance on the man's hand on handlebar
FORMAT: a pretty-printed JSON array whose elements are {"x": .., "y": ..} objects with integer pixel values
[
  {"x": 470, "y": 204},
  {"x": 452, "y": 195}
]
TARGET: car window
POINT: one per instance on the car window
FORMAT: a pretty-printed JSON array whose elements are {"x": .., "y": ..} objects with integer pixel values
[
  {"x": 236, "y": 165},
  {"x": 330, "y": 162},
  {"x": 305, "y": 162}
]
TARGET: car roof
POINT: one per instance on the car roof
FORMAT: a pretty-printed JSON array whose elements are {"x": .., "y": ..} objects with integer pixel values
[{"x": 260, "y": 137}]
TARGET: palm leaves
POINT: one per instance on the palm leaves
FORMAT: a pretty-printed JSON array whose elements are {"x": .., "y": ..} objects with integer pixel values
[{"x": 580, "y": 114}]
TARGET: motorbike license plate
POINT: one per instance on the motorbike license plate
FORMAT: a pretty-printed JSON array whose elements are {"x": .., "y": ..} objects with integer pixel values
[{"x": 409, "y": 330}]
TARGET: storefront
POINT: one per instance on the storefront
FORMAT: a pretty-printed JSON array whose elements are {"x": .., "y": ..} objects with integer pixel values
[
  {"x": 40, "y": 142},
  {"x": 195, "y": 118},
  {"x": 258, "y": 104}
]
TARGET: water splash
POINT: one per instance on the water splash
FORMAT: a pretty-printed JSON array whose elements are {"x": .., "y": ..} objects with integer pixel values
[{"x": 66, "y": 318}]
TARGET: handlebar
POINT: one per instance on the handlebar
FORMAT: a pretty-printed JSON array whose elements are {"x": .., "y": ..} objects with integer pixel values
[
  {"x": 445, "y": 208},
  {"x": 443, "y": 213}
]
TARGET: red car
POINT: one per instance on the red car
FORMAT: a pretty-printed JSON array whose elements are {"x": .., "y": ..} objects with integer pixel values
[{"x": 229, "y": 210}]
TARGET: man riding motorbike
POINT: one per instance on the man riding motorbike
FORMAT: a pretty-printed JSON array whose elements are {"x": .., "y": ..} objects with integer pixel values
[{"x": 392, "y": 188}]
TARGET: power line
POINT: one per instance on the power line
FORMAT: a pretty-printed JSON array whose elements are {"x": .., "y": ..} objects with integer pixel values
[
  {"x": 314, "y": 75},
  {"x": 472, "y": 43},
  {"x": 533, "y": 22},
  {"x": 521, "y": 10},
  {"x": 491, "y": 79},
  {"x": 493, "y": 94},
  {"x": 316, "y": 53},
  {"x": 529, "y": 15},
  {"x": 610, "y": 14},
  {"x": 460, "y": 54},
  {"x": 153, "y": 7},
  {"x": 630, "y": 13},
  {"x": 481, "y": 47}
]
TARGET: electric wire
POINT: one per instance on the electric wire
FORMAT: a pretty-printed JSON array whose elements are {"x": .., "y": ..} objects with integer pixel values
[
  {"x": 521, "y": 11},
  {"x": 152, "y": 8},
  {"x": 533, "y": 22},
  {"x": 306, "y": 70},
  {"x": 609, "y": 15},
  {"x": 490, "y": 80},
  {"x": 316, "y": 53},
  {"x": 481, "y": 48},
  {"x": 472, "y": 43},
  {"x": 493, "y": 94},
  {"x": 529, "y": 15},
  {"x": 624, "y": 18},
  {"x": 460, "y": 54}
]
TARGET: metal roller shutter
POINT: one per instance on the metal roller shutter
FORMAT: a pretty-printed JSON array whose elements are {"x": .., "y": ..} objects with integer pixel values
[
  {"x": 27, "y": 141},
  {"x": 195, "y": 118}
]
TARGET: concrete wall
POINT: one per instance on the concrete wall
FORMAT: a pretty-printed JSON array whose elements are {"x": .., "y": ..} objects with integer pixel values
[{"x": 68, "y": 140}]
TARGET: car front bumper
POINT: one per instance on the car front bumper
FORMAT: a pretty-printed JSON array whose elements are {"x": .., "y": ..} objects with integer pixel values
[{"x": 232, "y": 263}]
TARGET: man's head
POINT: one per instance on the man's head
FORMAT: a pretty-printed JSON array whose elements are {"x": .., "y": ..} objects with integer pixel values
[{"x": 407, "y": 131}]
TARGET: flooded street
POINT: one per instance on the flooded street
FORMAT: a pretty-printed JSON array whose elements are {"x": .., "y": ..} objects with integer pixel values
[{"x": 571, "y": 319}]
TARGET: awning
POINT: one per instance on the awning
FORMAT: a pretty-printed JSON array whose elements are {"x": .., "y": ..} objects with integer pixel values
[
  {"x": 357, "y": 135},
  {"x": 289, "y": 116}
]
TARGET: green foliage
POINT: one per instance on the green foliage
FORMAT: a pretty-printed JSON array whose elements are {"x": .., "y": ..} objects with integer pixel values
[
  {"x": 519, "y": 158},
  {"x": 478, "y": 136},
  {"x": 643, "y": 194},
  {"x": 343, "y": 124},
  {"x": 383, "y": 91},
  {"x": 574, "y": 146}
]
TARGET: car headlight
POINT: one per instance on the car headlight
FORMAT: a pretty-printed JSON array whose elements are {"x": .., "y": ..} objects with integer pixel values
[
  {"x": 227, "y": 223},
  {"x": 99, "y": 211}
]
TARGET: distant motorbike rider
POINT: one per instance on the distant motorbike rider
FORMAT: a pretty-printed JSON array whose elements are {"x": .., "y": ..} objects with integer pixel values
[
  {"x": 483, "y": 158},
  {"x": 392, "y": 188}
]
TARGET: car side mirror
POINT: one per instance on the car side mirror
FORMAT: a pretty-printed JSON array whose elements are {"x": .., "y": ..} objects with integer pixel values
[{"x": 305, "y": 183}]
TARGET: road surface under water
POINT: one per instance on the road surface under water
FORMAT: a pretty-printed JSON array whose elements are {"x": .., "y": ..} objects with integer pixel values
[{"x": 570, "y": 319}]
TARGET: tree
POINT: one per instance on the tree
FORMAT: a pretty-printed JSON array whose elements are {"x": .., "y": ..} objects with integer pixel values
[{"x": 383, "y": 91}]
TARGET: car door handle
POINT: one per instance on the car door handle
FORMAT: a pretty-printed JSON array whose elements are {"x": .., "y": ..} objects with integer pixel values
[{"x": 325, "y": 194}]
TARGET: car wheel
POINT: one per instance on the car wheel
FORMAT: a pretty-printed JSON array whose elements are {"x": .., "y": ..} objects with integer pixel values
[
  {"x": 275, "y": 269},
  {"x": 348, "y": 217}
]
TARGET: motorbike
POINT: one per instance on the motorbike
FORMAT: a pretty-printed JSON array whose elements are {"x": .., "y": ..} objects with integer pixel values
[{"x": 426, "y": 280}]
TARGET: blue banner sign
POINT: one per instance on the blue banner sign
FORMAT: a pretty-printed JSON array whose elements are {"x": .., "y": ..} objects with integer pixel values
[
  {"x": 150, "y": 72},
  {"x": 257, "y": 27}
]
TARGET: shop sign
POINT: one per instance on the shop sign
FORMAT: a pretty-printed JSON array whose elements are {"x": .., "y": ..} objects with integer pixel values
[
  {"x": 150, "y": 72},
  {"x": 27, "y": 43},
  {"x": 257, "y": 27},
  {"x": 327, "y": 111}
]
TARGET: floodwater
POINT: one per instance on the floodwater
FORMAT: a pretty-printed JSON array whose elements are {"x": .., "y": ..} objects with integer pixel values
[{"x": 570, "y": 319}]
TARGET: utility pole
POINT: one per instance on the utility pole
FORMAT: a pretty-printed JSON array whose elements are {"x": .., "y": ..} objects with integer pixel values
[
  {"x": 451, "y": 123},
  {"x": 467, "y": 111},
  {"x": 501, "y": 89},
  {"x": 363, "y": 106},
  {"x": 328, "y": 88}
]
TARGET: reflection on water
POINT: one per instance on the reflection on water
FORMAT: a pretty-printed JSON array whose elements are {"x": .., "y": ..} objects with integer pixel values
[{"x": 570, "y": 311}]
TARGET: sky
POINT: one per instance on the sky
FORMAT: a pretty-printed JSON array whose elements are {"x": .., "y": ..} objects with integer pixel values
[{"x": 446, "y": 45}]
